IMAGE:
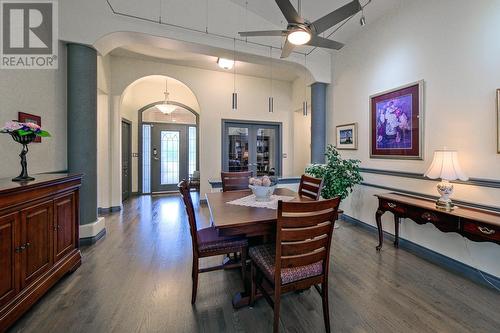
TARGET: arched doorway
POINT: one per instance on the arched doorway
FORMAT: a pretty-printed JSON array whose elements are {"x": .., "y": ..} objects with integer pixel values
[
  {"x": 168, "y": 147},
  {"x": 140, "y": 105}
]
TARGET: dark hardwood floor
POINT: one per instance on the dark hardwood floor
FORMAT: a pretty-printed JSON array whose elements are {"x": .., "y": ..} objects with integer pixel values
[{"x": 138, "y": 279}]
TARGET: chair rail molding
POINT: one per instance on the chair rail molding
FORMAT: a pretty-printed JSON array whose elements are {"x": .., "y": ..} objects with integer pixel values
[{"x": 472, "y": 181}]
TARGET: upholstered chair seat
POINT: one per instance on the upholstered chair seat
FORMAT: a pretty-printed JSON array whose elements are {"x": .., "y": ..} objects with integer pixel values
[
  {"x": 264, "y": 255},
  {"x": 210, "y": 241}
]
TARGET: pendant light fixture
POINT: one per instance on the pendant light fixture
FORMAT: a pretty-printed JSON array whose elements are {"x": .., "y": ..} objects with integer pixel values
[
  {"x": 304, "y": 103},
  {"x": 166, "y": 107},
  {"x": 235, "y": 95},
  {"x": 271, "y": 99},
  {"x": 362, "y": 20}
]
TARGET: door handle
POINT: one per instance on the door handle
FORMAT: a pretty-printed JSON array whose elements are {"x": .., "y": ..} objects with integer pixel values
[{"x": 155, "y": 154}]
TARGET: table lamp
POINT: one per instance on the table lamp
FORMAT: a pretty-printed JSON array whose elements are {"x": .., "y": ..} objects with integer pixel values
[{"x": 445, "y": 166}]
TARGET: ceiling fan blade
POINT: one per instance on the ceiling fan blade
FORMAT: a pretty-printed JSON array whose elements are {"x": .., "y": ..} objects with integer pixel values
[
  {"x": 324, "y": 42},
  {"x": 337, "y": 16},
  {"x": 289, "y": 11},
  {"x": 262, "y": 33},
  {"x": 287, "y": 49}
]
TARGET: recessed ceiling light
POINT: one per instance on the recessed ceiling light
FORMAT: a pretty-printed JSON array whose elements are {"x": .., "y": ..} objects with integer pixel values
[{"x": 225, "y": 63}]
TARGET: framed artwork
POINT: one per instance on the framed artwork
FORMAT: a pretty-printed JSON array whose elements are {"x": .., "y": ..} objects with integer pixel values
[
  {"x": 347, "y": 136},
  {"x": 397, "y": 123},
  {"x": 498, "y": 121},
  {"x": 30, "y": 118}
]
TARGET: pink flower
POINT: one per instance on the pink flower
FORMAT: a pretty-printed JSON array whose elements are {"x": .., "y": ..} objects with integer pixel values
[
  {"x": 12, "y": 126},
  {"x": 33, "y": 126}
]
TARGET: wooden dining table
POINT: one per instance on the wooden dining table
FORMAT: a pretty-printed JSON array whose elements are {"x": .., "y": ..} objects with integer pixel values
[{"x": 252, "y": 222}]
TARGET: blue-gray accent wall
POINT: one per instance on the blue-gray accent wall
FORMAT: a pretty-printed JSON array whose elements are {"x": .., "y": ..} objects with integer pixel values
[
  {"x": 82, "y": 125},
  {"x": 318, "y": 122}
]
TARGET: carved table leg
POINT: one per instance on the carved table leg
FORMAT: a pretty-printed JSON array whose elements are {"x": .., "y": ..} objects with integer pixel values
[
  {"x": 396, "y": 230},
  {"x": 378, "y": 217}
]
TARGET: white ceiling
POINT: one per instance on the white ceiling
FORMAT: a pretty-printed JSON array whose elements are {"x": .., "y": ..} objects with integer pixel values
[{"x": 256, "y": 65}]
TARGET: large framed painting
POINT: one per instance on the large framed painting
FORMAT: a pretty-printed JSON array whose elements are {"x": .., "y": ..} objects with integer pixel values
[
  {"x": 30, "y": 118},
  {"x": 347, "y": 136},
  {"x": 498, "y": 121},
  {"x": 397, "y": 123}
]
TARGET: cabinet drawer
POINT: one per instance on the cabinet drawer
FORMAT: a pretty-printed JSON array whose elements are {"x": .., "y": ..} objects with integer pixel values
[
  {"x": 443, "y": 222},
  {"x": 484, "y": 231},
  {"x": 394, "y": 207}
]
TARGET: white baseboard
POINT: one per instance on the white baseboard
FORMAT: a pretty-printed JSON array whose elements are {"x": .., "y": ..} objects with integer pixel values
[{"x": 92, "y": 229}]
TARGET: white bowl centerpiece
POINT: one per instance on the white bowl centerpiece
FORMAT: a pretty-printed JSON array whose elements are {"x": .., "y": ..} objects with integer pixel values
[{"x": 262, "y": 188}]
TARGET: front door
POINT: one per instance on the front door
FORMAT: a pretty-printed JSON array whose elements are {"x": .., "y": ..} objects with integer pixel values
[
  {"x": 252, "y": 147},
  {"x": 169, "y": 156}
]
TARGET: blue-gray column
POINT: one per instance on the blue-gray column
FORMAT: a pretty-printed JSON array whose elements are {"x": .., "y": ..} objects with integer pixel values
[
  {"x": 318, "y": 122},
  {"x": 82, "y": 125}
]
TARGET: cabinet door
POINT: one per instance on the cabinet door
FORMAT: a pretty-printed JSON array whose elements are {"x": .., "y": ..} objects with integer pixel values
[
  {"x": 9, "y": 232},
  {"x": 37, "y": 240},
  {"x": 64, "y": 226}
]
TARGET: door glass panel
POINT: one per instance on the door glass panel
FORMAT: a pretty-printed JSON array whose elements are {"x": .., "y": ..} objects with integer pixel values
[
  {"x": 169, "y": 157},
  {"x": 146, "y": 158},
  {"x": 238, "y": 149},
  {"x": 192, "y": 150},
  {"x": 266, "y": 151}
]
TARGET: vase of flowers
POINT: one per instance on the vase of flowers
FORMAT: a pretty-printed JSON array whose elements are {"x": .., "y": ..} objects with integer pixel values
[
  {"x": 23, "y": 133},
  {"x": 263, "y": 187}
]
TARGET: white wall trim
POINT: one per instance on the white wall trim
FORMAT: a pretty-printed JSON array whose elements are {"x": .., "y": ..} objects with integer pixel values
[{"x": 92, "y": 229}]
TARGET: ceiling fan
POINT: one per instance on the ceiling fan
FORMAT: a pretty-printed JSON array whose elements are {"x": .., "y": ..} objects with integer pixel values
[{"x": 302, "y": 32}]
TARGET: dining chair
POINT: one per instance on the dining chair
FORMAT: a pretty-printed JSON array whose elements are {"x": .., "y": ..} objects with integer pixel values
[
  {"x": 310, "y": 187},
  {"x": 207, "y": 243},
  {"x": 300, "y": 257},
  {"x": 235, "y": 181}
]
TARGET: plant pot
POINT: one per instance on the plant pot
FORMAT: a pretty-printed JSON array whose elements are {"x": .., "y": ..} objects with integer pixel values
[{"x": 24, "y": 140}]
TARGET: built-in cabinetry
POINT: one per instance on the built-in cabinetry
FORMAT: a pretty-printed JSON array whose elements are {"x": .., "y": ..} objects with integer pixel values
[{"x": 38, "y": 239}]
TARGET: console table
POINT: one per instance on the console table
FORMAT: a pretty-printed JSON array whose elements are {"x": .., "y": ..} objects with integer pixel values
[
  {"x": 475, "y": 224},
  {"x": 38, "y": 239}
]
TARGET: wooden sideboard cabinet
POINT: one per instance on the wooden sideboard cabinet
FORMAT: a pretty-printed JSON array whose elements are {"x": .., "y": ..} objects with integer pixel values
[
  {"x": 38, "y": 239},
  {"x": 475, "y": 224}
]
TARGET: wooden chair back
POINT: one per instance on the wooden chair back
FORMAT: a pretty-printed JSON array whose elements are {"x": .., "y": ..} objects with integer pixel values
[
  {"x": 310, "y": 187},
  {"x": 188, "y": 203},
  {"x": 304, "y": 233},
  {"x": 235, "y": 181}
]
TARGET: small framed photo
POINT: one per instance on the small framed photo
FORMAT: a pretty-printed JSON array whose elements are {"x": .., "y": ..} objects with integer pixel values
[
  {"x": 397, "y": 122},
  {"x": 30, "y": 118},
  {"x": 347, "y": 136},
  {"x": 498, "y": 121}
]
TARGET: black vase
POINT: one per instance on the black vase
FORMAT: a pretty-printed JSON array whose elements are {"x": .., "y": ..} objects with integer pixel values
[{"x": 24, "y": 140}]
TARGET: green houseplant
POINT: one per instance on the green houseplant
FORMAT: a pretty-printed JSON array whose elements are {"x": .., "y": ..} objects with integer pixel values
[{"x": 339, "y": 175}]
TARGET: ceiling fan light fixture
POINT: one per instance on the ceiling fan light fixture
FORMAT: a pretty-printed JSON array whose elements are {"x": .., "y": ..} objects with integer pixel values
[
  {"x": 225, "y": 63},
  {"x": 299, "y": 37}
]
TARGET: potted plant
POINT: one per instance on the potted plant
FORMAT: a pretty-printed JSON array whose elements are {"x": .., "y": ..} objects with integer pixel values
[
  {"x": 339, "y": 175},
  {"x": 23, "y": 133}
]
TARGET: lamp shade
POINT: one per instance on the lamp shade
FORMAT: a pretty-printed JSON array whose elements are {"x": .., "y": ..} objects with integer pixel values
[{"x": 445, "y": 166}]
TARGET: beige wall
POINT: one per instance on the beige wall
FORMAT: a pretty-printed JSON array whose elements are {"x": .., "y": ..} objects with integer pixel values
[
  {"x": 39, "y": 92},
  {"x": 301, "y": 126},
  {"x": 103, "y": 133},
  {"x": 213, "y": 93},
  {"x": 458, "y": 59}
]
